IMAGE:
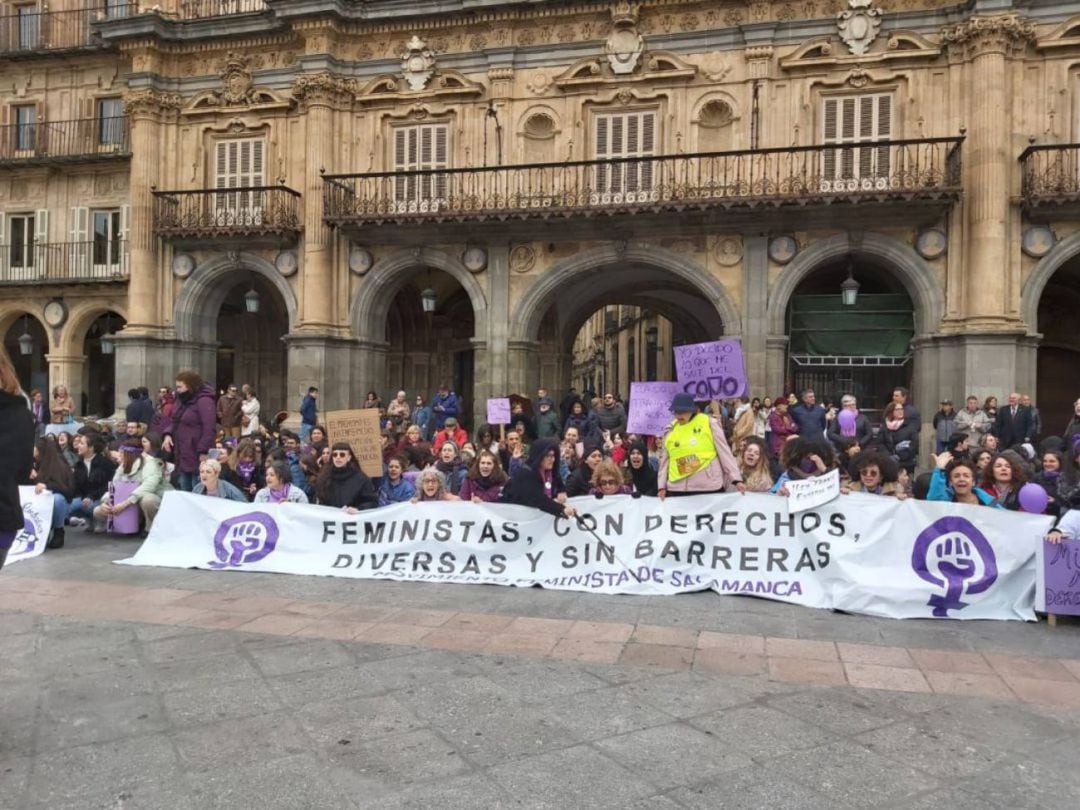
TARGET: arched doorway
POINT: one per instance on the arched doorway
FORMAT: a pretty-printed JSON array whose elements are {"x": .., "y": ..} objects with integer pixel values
[
  {"x": 617, "y": 297},
  {"x": 27, "y": 344},
  {"x": 429, "y": 332},
  {"x": 250, "y": 349},
  {"x": 1058, "y": 355},
  {"x": 234, "y": 311},
  {"x": 837, "y": 346},
  {"x": 99, "y": 393}
]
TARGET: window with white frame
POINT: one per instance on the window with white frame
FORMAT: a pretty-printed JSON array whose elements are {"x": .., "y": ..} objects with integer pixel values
[
  {"x": 239, "y": 163},
  {"x": 849, "y": 123},
  {"x": 29, "y": 17},
  {"x": 108, "y": 228},
  {"x": 419, "y": 151},
  {"x": 110, "y": 114},
  {"x": 623, "y": 141},
  {"x": 21, "y": 236}
]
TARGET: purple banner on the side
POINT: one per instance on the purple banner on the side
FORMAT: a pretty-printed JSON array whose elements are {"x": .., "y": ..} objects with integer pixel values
[
  {"x": 711, "y": 370},
  {"x": 1062, "y": 566},
  {"x": 650, "y": 407}
]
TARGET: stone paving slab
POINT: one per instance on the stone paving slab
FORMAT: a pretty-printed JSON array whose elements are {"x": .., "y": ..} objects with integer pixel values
[{"x": 152, "y": 688}]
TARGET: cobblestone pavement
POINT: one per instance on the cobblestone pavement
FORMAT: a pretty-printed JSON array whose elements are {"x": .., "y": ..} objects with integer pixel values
[{"x": 133, "y": 688}]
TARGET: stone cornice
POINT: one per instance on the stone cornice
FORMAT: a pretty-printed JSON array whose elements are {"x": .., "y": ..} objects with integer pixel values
[{"x": 1006, "y": 33}]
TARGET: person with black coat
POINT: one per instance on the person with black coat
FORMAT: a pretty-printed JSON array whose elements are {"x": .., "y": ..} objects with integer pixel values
[
  {"x": 580, "y": 480},
  {"x": 536, "y": 483},
  {"x": 92, "y": 474},
  {"x": 899, "y": 436},
  {"x": 342, "y": 484},
  {"x": 17, "y": 439},
  {"x": 642, "y": 475},
  {"x": 1013, "y": 424}
]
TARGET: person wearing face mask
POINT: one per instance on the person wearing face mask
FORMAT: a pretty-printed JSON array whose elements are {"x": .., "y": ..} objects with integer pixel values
[
  {"x": 694, "y": 454},
  {"x": 342, "y": 484},
  {"x": 485, "y": 480},
  {"x": 536, "y": 483}
]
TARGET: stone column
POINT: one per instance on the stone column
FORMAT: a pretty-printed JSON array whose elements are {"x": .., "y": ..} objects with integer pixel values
[
  {"x": 497, "y": 361},
  {"x": 755, "y": 306},
  {"x": 145, "y": 109},
  {"x": 320, "y": 94},
  {"x": 775, "y": 364},
  {"x": 985, "y": 42}
]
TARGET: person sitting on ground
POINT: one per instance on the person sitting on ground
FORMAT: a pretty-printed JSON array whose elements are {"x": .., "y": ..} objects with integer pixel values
[
  {"x": 485, "y": 479},
  {"x": 801, "y": 459},
  {"x": 51, "y": 473},
  {"x": 342, "y": 484},
  {"x": 754, "y": 465},
  {"x": 92, "y": 474},
  {"x": 395, "y": 487},
  {"x": 537, "y": 483},
  {"x": 875, "y": 473},
  {"x": 243, "y": 469},
  {"x": 642, "y": 475},
  {"x": 607, "y": 479},
  {"x": 139, "y": 465},
  {"x": 954, "y": 480},
  {"x": 279, "y": 486},
  {"x": 431, "y": 486},
  {"x": 212, "y": 484},
  {"x": 450, "y": 465}
]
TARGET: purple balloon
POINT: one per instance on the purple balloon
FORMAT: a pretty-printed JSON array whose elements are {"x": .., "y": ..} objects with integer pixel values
[{"x": 1033, "y": 499}]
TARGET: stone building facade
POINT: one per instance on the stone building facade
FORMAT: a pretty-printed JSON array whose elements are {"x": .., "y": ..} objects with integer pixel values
[{"x": 434, "y": 191}]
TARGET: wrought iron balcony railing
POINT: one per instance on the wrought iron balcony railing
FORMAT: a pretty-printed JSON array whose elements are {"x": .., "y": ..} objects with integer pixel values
[
  {"x": 65, "y": 141},
  {"x": 241, "y": 211},
  {"x": 885, "y": 170},
  {"x": 1050, "y": 175},
  {"x": 42, "y": 263},
  {"x": 202, "y": 9},
  {"x": 31, "y": 31}
]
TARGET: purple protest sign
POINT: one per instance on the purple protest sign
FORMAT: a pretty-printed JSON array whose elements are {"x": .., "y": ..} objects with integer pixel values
[
  {"x": 1061, "y": 564},
  {"x": 650, "y": 407},
  {"x": 711, "y": 370},
  {"x": 498, "y": 411}
]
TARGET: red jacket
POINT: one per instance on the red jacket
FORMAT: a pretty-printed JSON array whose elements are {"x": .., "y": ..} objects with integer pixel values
[{"x": 459, "y": 437}]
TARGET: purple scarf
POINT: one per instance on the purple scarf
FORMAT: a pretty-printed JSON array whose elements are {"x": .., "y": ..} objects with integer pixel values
[
  {"x": 280, "y": 496},
  {"x": 246, "y": 470}
]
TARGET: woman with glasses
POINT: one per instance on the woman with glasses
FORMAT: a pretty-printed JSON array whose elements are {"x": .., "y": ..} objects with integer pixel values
[
  {"x": 875, "y": 473},
  {"x": 431, "y": 486},
  {"x": 607, "y": 479},
  {"x": 342, "y": 484}
]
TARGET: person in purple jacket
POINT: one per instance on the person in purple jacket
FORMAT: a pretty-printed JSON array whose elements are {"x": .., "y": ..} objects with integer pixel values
[
  {"x": 485, "y": 479},
  {"x": 194, "y": 420}
]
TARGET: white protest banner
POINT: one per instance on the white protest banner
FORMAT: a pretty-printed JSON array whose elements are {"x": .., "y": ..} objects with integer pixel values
[
  {"x": 859, "y": 553},
  {"x": 498, "y": 411},
  {"x": 67, "y": 427},
  {"x": 712, "y": 370},
  {"x": 809, "y": 493},
  {"x": 650, "y": 407},
  {"x": 361, "y": 429},
  {"x": 37, "y": 523}
]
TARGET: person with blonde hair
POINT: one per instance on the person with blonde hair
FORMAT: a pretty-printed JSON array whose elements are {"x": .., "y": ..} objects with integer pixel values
[
  {"x": 607, "y": 479},
  {"x": 754, "y": 465},
  {"x": 62, "y": 407},
  {"x": 17, "y": 460}
]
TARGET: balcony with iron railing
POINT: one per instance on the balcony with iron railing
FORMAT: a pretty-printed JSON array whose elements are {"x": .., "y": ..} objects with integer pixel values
[
  {"x": 234, "y": 212},
  {"x": 904, "y": 170},
  {"x": 83, "y": 139},
  {"x": 34, "y": 31},
  {"x": 204, "y": 9},
  {"x": 1050, "y": 175},
  {"x": 100, "y": 260}
]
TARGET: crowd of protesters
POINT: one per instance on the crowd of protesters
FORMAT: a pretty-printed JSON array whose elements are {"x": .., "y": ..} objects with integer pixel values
[{"x": 193, "y": 438}]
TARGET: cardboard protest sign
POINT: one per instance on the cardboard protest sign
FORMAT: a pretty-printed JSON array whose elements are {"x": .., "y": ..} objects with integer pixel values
[
  {"x": 811, "y": 493},
  {"x": 498, "y": 411},
  {"x": 711, "y": 370},
  {"x": 361, "y": 429},
  {"x": 650, "y": 407}
]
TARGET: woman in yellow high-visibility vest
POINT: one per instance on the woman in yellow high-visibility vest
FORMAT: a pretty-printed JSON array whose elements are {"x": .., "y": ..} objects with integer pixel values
[{"x": 694, "y": 454}]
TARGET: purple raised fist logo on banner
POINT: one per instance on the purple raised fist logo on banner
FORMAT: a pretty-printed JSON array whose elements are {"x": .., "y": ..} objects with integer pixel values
[
  {"x": 25, "y": 541},
  {"x": 953, "y": 555},
  {"x": 244, "y": 539}
]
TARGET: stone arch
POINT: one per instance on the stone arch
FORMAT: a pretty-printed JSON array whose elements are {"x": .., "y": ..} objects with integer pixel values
[
  {"x": 917, "y": 277},
  {"x": 371, "y": 304},
  {"x": 533, "y": 305},
  {"x": 1040, "y": 276},
  {"x": 9, "y": 315},
  {"x": 205, "y": 291},
  {"x": 80, "y": 318}
]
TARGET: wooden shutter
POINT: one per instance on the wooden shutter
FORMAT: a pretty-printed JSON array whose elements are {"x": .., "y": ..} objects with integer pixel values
[
  {"x": 41, "y": 226},
  {"x": 5, "y": 251},
  {"x": 625, "y": 135},
  {"x": 421, "y": 148},
  {"x": 79, "y": 249},
  {"x": 851, "y": 120},
  {"x": 601, "y": 152}
]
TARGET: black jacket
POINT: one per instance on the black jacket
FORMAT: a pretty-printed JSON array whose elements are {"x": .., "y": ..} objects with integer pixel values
[
  {"x": 140, "y": 410},
  {"x": 94, "y": 484},
  {"x": 17, "y": 459},
  {"x": 1012, "y": 431},
  {"x": 863, "y": 432},
  {"x": 349, "y": 487},
  {"x": 902, "y": 443},
  {"x": 526, "y": 487}
]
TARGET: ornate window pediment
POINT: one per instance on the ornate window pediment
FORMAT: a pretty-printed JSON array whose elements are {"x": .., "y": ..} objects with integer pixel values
[
  {"x": 443, "y": 84},
  {"x": 238, "y": 90},
  {"x": 658, "y": 67},
  {"x": 900, "y": 47}
]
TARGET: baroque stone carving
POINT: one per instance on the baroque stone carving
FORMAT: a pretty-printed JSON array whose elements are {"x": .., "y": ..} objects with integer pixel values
[
  {"x": 728, "y": 251},
  {"x": 322, "y": 88},
  {"x": 418, "y": 63},
  {"x": 522, "y": 258},
  {"x": 146, "y": 102},
  {"x": 1000, "y": 34},
  {"x": 236, "y": 84},
  {"x": 859, "y": 25},
  {"x": 625, "y": 44},
  {"x": 538, "y": 84}
]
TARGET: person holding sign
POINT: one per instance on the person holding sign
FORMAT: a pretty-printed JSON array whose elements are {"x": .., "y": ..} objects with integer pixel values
[{"x": 694, "y": 454}]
